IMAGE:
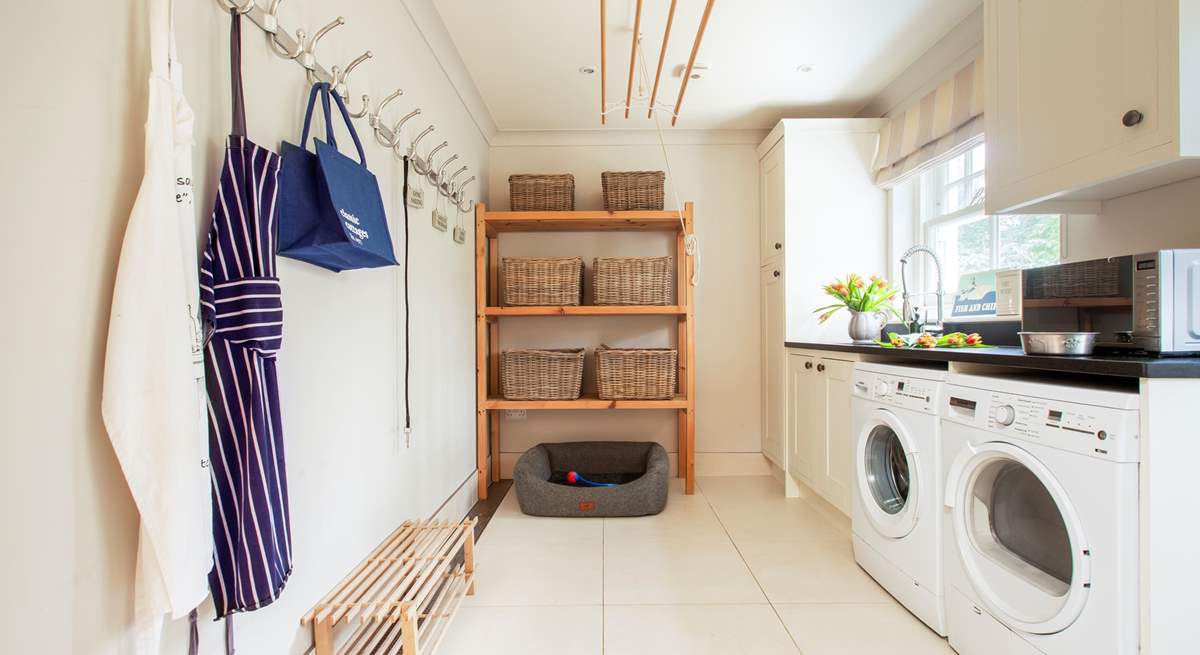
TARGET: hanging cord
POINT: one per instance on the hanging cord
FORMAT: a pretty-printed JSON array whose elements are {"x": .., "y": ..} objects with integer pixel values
[
  {"x": 229, "y": 649},
  {"x": 193, "y": 634},
  {"x": 691, "y": 244},
  {"x": 407, "y": 349}
]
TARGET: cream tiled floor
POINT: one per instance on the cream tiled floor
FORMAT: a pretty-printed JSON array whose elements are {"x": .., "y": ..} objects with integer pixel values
[{"x": 734, "y": 569}]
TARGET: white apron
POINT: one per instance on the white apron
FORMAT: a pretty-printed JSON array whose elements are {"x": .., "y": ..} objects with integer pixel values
[{"x": 153, "y": 399}]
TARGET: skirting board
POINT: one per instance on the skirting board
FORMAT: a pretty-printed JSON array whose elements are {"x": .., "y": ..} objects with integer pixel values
[{"x": 707, "y": 464}]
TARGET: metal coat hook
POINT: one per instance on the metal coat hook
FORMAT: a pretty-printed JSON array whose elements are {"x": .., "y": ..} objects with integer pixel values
[
  {"x": 459, "y": 197},
  {"x": 447, "y": 185},
  {"x": 436, "y": 178},
  {"x": 271, "y": 19},
  {"x": 396, "y": 138},
  {"x": 339, "y": 84},
  {"x": 460, "y": 171},
  {"x": 375, "y": 123},
  {"x": 419, "y": 165},
  {"x": 427, "y": 164},
  {"x": 308, "y": 58},
  {"x": 242, "y": 9}
]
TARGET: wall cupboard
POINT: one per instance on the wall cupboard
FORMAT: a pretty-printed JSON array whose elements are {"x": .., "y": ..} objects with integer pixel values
[
  {"x": 1089, "y": 99},
  {"x": 821, "y": 216}
]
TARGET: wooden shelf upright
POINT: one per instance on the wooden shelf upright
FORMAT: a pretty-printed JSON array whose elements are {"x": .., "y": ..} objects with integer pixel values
[{"x": 489, "y": 311}]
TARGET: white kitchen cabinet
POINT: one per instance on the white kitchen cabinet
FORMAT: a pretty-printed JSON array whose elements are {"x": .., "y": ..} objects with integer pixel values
[
  {"x": 821, "y": 214},
  {"x": 820, "y": 445},
  {"x": 772, "y": 364},
  {"x": 821, "y": 217},
  {"x": 771, "y": 198},
  {"x": 1089, "y": 99}
]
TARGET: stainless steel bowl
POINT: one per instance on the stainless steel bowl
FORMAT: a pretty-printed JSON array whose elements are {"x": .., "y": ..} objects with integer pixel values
[{"x": 1058, "y": 343}]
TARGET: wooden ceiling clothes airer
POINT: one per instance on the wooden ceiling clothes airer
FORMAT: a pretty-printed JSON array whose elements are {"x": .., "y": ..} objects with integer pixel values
[{"x": 636, "y": 42}]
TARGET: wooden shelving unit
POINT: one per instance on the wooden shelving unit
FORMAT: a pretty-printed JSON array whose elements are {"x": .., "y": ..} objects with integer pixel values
[{"x": 488, "y": 312}]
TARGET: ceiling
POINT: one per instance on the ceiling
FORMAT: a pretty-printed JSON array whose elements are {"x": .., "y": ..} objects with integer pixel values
[{"x": 524, "y": 57}]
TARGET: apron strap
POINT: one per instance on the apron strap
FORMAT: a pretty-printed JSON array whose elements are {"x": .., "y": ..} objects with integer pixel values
[{"x": 235, "y": 68}]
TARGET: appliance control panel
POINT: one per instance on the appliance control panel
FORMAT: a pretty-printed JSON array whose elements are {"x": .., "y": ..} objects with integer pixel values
[
  {"x": 897, "y": 391},
  {"x": 1096, "y": 431}
]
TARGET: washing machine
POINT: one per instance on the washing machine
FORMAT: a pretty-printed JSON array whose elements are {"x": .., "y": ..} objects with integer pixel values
[
  {"x": 1041, "y": 517},
  {"x": 896, "y": 505}
]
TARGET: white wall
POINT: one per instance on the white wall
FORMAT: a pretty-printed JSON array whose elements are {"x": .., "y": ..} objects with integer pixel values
[
  {"x": 1164, "y": 217},
  {"x": 72, "y": 164},
  {"x": 719, "y": 172}
]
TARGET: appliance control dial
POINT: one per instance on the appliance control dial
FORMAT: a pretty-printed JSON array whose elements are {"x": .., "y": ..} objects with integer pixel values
[
  {"x": 1005, "y": 414},
  {"x": 882, "y": 388}
]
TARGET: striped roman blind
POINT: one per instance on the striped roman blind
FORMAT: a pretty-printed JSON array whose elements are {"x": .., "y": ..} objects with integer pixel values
[{"x": 944, "y": 123}]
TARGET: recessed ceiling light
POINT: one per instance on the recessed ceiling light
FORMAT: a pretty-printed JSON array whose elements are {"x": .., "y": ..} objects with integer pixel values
[
  {"x": 587, "y": 70},
  {"x": 804, "y": 68}
]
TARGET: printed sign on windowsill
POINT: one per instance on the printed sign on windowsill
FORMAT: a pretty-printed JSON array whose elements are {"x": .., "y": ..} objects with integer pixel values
[{"x": 976, "y": 296}]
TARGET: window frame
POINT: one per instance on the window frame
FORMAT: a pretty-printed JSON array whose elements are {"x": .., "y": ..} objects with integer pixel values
[{"x": 931, "y": 187}]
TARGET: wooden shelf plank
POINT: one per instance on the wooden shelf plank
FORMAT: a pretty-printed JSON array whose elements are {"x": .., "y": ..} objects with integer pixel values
[
  {"x": 585, "y": 402},
  {"x": 588, "y": 310},
  {"x": 582, "y": 221}
]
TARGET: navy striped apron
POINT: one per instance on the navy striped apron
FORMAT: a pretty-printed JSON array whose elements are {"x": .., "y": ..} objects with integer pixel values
[{"x": 240, "y": 295}]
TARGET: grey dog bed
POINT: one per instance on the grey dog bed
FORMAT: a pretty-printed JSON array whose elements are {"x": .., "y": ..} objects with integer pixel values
[{"x": 640, "y": 469}]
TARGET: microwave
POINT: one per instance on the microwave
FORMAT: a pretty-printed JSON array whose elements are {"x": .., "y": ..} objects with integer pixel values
[{"x": 1148, "y": 302}]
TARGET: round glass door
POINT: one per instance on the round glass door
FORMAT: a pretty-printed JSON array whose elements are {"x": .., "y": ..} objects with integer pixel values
[
  {"x": 887, "y": 475},
  {"x": 1018, "y": 538}
]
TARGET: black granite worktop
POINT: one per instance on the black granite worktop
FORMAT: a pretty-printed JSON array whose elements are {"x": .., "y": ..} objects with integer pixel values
[{"x": 1129, "y": 366}]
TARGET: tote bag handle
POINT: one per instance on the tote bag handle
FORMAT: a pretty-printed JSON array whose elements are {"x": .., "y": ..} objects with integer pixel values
[
  {"x": 362, "y": 157},
  {"x": 323, "y": 89}
]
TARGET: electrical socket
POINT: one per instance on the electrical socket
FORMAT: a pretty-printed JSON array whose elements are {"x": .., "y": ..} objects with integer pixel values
[
  {"x": 515, "y": 414},
  {"x": 439, "y": 220},
  {"x": 416, "y": 197},
  {"x": 460, "y": 235}
]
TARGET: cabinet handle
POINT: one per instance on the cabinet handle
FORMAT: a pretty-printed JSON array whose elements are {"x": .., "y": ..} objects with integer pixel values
[
  {"x": 1131, "y": 118},
  {"x": 775, "y": 273},
  {"x": 807, "y": 365},
  {"x": 778, "y": 246},
  {"x": 820, "y": 368}
]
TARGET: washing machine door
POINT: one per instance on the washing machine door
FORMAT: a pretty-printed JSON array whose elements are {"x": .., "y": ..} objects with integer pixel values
[
  {"x": 887, "y": 474},
  {"x": 1018, "y": 538}
]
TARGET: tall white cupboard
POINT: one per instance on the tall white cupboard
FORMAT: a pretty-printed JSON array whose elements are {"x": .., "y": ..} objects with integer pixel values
[{"x": 821, "y": 217}]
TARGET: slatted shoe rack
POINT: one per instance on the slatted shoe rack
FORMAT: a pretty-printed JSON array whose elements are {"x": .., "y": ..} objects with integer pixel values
[
  {"x": 488, "y": 227},
  {"x": 402, "y": 597}
]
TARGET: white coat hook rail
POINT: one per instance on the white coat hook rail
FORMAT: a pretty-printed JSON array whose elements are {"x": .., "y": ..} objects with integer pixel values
[{"x": 301, "y": 48}]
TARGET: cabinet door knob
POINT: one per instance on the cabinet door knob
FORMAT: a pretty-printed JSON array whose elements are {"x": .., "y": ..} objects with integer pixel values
[
  {"x": 1131, "y": 118},
  {"x": 807, "y": 364},
  {"x": 775, "y": 273},
  {"x": 820, "y": 367},
  {"x": 778, "y": 246}
]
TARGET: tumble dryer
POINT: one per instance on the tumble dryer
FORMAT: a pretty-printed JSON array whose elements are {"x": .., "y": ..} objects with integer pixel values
[
  {"x": 896, "y": 507},
  {"x": 1041, "y": 497}
]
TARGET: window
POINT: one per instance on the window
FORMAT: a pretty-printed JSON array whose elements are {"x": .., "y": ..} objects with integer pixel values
[{"x": 952, "y": 222}]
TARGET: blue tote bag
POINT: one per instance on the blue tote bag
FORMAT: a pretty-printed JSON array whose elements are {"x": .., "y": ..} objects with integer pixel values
[{"x": 331, "y": 212}]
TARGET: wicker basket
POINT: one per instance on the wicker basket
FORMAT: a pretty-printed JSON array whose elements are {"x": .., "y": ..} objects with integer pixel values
[
  {"x": 543, "y": 281},
  {"x": 541, "y": 374},
  {"x": 636, "y": 373},
  {"x": 631, "y": 190},
  {"x": 632, "y": 280},
  {"x": 1094, "y": 278},
  {"x": 541, "y": 192}
]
